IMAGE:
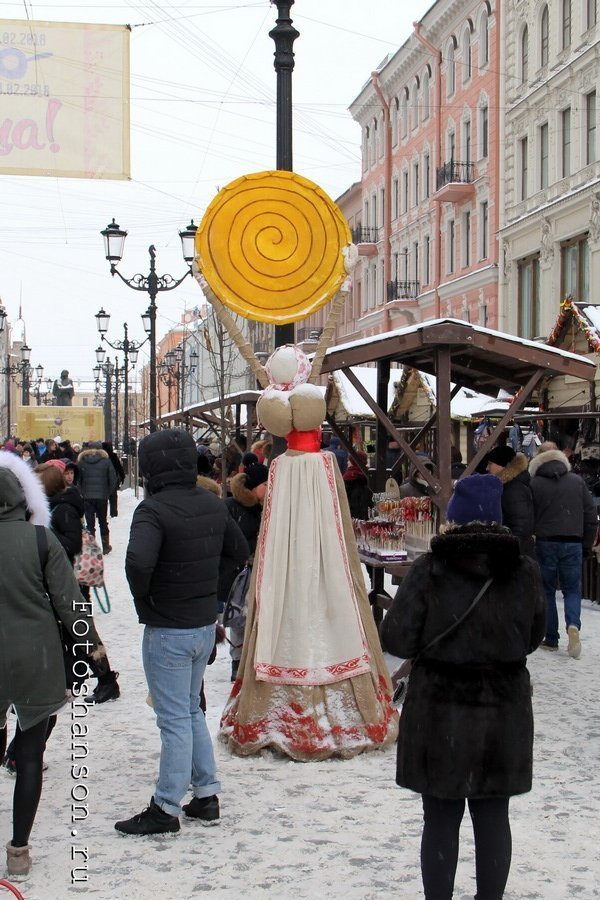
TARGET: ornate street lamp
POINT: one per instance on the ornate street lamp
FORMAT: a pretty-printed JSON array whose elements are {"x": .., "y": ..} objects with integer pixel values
[{"x": 152, "y": 284}]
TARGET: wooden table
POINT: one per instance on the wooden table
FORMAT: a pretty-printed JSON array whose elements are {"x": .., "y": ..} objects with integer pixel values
[{"x": 378, "y": 596}]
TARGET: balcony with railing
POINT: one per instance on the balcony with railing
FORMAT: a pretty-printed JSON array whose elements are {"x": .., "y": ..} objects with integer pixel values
[
  {"x": 454, "y": 181},
  {"x": 366, "y": 237},
  {"x": 402, "y": 290},
  {"x": 308, "y": 335}
]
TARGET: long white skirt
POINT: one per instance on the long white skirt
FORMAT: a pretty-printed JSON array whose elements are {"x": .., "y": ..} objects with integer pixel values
[{"x": 309, "y": 626}]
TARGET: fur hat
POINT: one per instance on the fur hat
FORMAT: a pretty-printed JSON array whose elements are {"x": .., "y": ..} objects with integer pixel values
[
  {"x": 255, "y": 475},
  {"x": 476, "y": 498},
  {"x": 501, "y": 456}
]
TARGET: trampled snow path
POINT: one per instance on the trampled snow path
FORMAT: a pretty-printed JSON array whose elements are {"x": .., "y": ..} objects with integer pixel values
[{"x": 338, "y": 829}]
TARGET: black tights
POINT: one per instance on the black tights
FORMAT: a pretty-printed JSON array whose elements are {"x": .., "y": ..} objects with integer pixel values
[
  {"x": 439, "y": 846},
  {"x": 29, "y": 756}
]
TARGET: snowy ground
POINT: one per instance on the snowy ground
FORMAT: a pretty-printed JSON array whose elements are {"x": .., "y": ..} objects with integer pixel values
[{"x": 338, "y": 829}]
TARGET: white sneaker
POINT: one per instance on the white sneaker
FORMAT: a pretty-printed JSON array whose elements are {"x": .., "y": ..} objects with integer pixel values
[{"x": 574, "y": 648}]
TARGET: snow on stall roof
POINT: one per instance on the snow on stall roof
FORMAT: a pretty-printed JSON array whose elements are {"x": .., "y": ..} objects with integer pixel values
[
  {"x": 593, "y": 314},
  {"x": 468, "y": 403},
  {"x": 351, "y": 400},
  {"x": 412, "y": 329}
]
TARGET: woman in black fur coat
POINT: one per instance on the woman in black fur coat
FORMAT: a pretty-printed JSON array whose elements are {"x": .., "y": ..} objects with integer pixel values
[{"x": 466, "y": 731}]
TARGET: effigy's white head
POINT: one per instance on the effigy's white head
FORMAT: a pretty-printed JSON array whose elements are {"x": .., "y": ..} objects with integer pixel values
[
  {"x": 287, "y": 367},
  {"x": 289, "y": 402}
]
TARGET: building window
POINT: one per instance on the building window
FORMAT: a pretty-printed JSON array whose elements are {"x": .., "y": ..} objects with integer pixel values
[
  {"x": 525, "y": 55},
  {"x": 366, "y": 144},
  {"x": 544, "y": 155},
  {"x": 425, "y": 95},
  {"x": 394, "y": 122},
  {"x": 565, "y": 118},
  {"x": 484, "y": 41},
  {"x": 415, "y": 106},
  {"x": 405, "y": 192},
  {"x": 484, "y": 131},
  {"x": 426, "y": 175},
  {"x": 427, "y": 260},
  {"x": 451, "y": 146},
  {"x": 590, "y": 128},
  {"x": 382, "y": 206},
  {"x": 84, "y": 401},
  {"x": 395, "y": 188},
  {"x": 592, "y": 13},
  {"x": 484, "y": 226},
  {"x": 416, "y": 261},
  {"x": 523, "y": 165},
  {"x": 466, "y": 56},
  {"x": 566, "y": 24},
  {"x": 451, "y": 245},
  {"x": 467, "y": 144},
  {"x": 466, "y": 241},
  {"x": 404, "y": 114},
  {"x": 450, "y": 69},
  {"x": 416, "y": 184},
  {"x": 575, "y": 269},
  {"x": 404, "y": 254},
  {"x": 544, "y": 36},
  {"x": 529, "y": 298}
]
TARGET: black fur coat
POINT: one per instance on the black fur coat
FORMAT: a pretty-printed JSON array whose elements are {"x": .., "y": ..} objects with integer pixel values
[{"x": 467, "y": 723}]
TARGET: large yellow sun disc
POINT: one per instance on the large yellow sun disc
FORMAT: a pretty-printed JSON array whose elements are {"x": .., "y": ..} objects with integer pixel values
[{"x": 270, "y": 246}]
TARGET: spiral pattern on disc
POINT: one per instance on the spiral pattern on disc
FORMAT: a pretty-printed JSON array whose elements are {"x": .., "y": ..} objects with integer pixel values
[{"x": 270, "y": 245}]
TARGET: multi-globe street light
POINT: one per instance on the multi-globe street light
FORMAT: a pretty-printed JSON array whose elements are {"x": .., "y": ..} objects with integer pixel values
[
  {"x": 152, "y": 284},
  {"x": 130, "y": 353}
]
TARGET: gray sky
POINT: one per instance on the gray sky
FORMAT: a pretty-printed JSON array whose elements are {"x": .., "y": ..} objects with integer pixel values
[{"x": 202, "y": 114}]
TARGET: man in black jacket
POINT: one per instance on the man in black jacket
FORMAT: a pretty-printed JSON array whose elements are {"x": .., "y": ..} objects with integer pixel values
[
  {"x": 565, "y": 528},
  {"x": 178, "y": 536},
  {"x": 97, "y": 481}
]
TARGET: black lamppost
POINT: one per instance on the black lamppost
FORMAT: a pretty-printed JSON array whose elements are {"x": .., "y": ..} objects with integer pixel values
[
  {"x": 152, "y": 284},
  {"x": 130, "y": 352},
  {"x": 106, "y": 369},
  {"x": 36, "y": 385},
  {"x": 284, "y": 34},
  {"x": 13, "y": 370},
  {"x": 174, "y": 370}
]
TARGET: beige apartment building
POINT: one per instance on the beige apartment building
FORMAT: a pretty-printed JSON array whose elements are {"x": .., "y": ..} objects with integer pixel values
[{"x": 550, "y": 228}]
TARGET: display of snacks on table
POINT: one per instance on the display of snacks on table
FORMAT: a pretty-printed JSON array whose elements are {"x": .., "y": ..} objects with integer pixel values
[{"x": 380, "y": 538}]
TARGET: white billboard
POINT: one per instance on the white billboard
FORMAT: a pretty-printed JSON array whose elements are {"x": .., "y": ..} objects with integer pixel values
[{"x": 64, "y": 99}]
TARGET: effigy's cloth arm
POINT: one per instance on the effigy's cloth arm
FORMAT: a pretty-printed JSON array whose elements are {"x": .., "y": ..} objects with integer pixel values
[
  {"x": 337, "y": 304},
  {"x": 235, "y": 333}
]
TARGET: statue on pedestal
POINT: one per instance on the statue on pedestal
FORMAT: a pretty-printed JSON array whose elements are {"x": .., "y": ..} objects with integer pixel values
[{"x": 63, "y": 390}]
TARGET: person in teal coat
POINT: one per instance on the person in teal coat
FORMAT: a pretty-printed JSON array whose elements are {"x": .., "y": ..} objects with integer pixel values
[{"x": 36, "y": 585}]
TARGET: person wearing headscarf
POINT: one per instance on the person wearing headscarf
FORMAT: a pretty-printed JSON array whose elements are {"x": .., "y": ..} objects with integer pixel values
[{"x": 360, "y": 495}]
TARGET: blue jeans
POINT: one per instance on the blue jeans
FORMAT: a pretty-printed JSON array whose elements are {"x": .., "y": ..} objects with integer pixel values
[
  {"x": 174, "y": 663},
  {"x": 561, "y": 564}
]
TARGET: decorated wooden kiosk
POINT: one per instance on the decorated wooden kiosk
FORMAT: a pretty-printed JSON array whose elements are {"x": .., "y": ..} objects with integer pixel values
[
  {"x": 459, "y": 354},
  {"x": 312, "y": 681}
]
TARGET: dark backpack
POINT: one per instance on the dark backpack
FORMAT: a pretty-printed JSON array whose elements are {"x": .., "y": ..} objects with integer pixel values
[{"x": 234, "y": 613}]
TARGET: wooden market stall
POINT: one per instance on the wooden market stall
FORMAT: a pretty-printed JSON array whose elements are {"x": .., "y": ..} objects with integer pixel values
[
  {"x": 240, "y": 415},
  {"x": 459, "y": 354},
  {"x": 456, "y": 353}
]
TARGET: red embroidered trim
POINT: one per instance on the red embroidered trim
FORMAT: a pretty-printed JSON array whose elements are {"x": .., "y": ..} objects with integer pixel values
[{"x": 325, "y": 675}]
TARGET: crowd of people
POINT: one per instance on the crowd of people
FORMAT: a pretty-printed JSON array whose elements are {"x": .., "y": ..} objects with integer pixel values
[{"x": 467, "y": 614}]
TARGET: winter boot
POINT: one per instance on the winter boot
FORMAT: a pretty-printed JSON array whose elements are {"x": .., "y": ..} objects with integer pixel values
[
  {"x": 204, "y": 808},
  {"x": 574, "y": 648},
  {"x": 153, "y": 820},
  {"x": 106, "y": 689},
  {"x": 106, "y": 548},
  {"x": 18, "y": 861}
]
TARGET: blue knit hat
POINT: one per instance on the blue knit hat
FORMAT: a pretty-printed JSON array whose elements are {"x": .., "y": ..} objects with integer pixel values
[{"x": 476, "y": 498}]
